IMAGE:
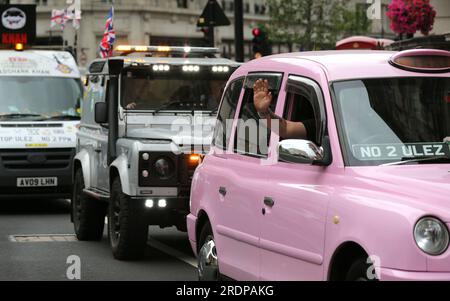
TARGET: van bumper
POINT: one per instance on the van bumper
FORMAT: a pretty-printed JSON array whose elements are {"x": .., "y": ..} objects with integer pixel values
[{"x": 13, "y": 165}]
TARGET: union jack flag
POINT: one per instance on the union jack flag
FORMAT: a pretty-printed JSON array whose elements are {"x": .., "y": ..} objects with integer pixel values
[{"x": 107, "y": 44}]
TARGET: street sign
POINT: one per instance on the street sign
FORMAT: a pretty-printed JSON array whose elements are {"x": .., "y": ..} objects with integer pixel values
[
  {"x": 18, "y": 24},
  {"x": 213, "y": 16}
]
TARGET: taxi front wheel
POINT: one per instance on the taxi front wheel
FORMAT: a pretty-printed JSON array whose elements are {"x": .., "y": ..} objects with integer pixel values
[
  {"x": 127, "y": 229},
  {"x": 88, "y": 214},
  {"x": 208, "y": 262},
  {"x": 361, "y": 270}
]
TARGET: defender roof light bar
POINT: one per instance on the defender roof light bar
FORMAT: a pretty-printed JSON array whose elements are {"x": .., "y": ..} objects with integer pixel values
[{"x": 125, "y": 50}]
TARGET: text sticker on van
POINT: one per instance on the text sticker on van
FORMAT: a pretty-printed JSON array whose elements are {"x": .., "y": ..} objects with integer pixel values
[{"x": 366, "y": 152}]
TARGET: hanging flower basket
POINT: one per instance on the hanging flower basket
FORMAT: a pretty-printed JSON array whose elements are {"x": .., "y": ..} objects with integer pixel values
[{"x": 409, "y": 16}]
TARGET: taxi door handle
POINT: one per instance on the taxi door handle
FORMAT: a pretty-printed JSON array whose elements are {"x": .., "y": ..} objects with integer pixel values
[
  {"x": 269, "y": 202},
  {"x": 223, "y": 191}
]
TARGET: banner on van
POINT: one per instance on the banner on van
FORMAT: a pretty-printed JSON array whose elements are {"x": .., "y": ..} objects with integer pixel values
[
  {"x": 17, "y": 24},
  {"x": 38, "y": 63}
]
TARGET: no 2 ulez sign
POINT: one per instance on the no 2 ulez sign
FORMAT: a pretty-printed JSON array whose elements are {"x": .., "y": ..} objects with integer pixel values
[{"x": 17, "y": 24}]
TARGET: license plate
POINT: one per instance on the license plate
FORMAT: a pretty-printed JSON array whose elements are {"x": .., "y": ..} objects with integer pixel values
[{"x": 37, "y": 182}]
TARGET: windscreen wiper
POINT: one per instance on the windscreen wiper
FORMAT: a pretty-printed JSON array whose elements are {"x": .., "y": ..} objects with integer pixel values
[
  {"x": 427, "y": 160},
  {"x": 20, "y": 115},
  {"x": 165, "y": 106},
  {"x": 63, "y": 117}
]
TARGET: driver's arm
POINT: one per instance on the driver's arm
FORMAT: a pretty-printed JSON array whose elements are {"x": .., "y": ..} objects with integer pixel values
[{"x": 262, "y": 101}]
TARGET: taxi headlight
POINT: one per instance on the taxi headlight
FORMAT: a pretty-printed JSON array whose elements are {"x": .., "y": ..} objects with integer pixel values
[
  {"x": 164, "y": 168},
  {"x": 431, "y": 235}
]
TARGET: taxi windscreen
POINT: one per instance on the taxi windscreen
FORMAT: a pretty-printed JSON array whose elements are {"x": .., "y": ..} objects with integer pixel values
[
  {"x": 172, "y": 91},
  {"x": 40, "y": 97},
  {"x": 394, "y": 120}
]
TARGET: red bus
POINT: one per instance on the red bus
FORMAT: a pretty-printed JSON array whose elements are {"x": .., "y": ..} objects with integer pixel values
[{"x": 361, "y": 42}]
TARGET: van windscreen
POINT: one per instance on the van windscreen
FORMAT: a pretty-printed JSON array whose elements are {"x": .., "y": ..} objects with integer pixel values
[{"x": 40, "y": 97}]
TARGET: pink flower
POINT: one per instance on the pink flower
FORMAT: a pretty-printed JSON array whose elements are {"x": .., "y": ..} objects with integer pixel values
[{"x": 409, "y": 16}]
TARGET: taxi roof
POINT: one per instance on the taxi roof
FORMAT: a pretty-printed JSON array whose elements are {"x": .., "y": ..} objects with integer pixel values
[{"x": 338, "y": 64}]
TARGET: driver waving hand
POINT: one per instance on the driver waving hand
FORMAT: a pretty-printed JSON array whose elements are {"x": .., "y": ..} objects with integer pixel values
[{"x": 288, "y": 129}]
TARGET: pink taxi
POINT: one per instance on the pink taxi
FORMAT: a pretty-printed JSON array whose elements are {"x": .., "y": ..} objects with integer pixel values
[{"x": 328, "y": 166}]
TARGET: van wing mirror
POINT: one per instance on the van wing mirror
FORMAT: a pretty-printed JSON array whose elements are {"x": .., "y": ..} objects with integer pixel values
[{"x": 101, "y": 113}]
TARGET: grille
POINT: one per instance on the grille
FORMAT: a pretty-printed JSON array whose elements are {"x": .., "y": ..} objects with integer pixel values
[{"x": 36, "y": 159}]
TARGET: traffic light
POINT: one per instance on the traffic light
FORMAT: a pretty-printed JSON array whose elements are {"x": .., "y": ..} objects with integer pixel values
[
  {"x": 208, "y": 36},
  {"x": 261, "y": 45}
]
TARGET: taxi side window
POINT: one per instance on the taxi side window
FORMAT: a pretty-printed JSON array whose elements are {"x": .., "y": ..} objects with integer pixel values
[
  {"x": 252, "y": 135},
  {"x": 226, "y": 114},
  {"x": 299, "y": 109},
  {"x": 304, "y": 103}
]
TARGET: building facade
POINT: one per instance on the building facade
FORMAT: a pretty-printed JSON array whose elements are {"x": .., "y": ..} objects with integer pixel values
[
  {"x": 174, "y": 22},
  {"x": 156, "y": 22}
]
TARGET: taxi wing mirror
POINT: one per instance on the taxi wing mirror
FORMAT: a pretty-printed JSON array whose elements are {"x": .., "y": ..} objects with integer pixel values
[
  {"x": 101, "y": 113},
  {"x": 300, "y": 151}
]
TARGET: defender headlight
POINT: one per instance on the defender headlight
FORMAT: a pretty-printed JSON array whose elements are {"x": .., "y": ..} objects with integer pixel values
[
  {"x": 431, "y": 236},
  {"x": 164, "y": 168}
]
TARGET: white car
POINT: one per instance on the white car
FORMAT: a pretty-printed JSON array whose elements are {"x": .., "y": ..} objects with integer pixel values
[{"x": 147, "y": 119}]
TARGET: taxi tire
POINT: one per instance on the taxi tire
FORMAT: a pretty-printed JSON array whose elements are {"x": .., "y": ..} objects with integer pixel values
[
  {"x": 92, "y": 213},
  {"x": 205, "y": 233},
  {"x": 359, "y": 271},
  {"x": 133, "y": 230}
]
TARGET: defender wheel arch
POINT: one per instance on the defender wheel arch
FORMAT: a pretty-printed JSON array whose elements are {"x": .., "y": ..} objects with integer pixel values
[
  {"x": 119, "y": 168},
  {"x": 82, "y": 161},
  {"x": 113, "y": 173},
  {"x": 343, "y": 258},
  {"x": 76, "y": 166}
]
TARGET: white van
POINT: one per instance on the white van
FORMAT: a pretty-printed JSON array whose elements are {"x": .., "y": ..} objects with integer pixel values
[{"x": 40, "y": 107}]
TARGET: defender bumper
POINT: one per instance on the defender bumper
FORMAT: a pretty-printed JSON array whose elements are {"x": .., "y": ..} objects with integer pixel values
[
  {"x": 172, "y": 214},
  {"x": 16, "y": 164}
]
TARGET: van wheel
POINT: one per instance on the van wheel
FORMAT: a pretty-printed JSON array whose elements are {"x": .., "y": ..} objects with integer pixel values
[
  {"x": 208, "y": 262},
  {"x": 360, "y": 270},
  {"x": 88, "y": 214},
  {"x": 127, "y": 229}
]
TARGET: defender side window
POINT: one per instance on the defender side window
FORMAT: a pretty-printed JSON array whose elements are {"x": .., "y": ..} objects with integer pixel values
[
  {"x": 252, "y": 135},
  {"x": 226, "y": 114},
  {"x": 93, "y": 94}
]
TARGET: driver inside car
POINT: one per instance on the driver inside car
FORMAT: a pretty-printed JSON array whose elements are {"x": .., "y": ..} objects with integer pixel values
[
  {"x": 139, "y": 94},
  {"x": 304, "y": 129}
]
